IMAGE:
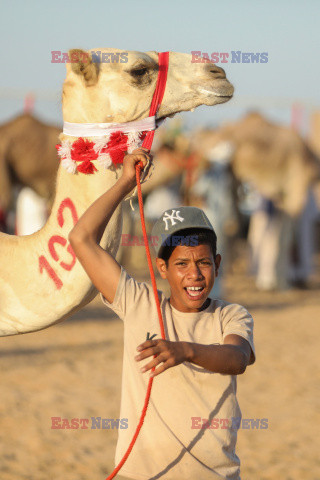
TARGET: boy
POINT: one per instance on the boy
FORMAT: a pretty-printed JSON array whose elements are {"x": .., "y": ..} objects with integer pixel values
[{"x": 189, "y": 431}]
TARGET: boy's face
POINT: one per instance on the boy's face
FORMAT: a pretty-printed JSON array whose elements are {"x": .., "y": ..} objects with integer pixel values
[{"x": 193, "y": 267}]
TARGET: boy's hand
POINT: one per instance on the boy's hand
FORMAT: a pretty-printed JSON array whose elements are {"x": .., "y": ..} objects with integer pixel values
[
  {"x": 168, "y": 353},
  {"x": 129, "y": 165}
]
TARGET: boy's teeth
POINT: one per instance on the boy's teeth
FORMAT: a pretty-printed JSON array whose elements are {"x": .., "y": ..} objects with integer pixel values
[{"x": 194, "y": 291}]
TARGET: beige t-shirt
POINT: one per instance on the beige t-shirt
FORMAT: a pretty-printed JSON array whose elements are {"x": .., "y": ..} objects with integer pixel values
[{"x": 170, "y": 444}]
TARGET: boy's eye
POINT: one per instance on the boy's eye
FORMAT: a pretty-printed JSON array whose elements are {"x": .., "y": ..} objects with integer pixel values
[{"x": 202, "y": 263}]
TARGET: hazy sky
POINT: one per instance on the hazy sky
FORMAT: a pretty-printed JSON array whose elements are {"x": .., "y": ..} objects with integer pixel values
[{"x": 288, "y": 31}]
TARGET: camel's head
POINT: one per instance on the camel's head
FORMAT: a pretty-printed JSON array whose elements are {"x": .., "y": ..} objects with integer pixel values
[{"x": 119, "y": 87}]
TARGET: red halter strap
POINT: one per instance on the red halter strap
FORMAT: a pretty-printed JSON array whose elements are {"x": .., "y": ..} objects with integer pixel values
[{"x": 158, "y": 94}]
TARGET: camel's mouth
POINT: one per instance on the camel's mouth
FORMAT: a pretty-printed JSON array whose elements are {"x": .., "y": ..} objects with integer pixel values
[
  {"x": 222, "y": 95},
  {"x": 223, "y": 98},
  {"x": 226, "y": 95},
  {"x": 218, "y": 98}
]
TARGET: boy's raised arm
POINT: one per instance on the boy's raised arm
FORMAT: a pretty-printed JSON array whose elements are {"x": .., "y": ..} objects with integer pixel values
[{"x": 101, "y": 267}]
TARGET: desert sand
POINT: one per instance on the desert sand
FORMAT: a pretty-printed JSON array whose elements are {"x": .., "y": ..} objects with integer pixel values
[{"x": 74, "y": 370}]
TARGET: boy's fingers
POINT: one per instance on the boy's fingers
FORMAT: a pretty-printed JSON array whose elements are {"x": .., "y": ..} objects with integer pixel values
[
  {"x": 141, "y": 158},
  {"x": 148, "y": 352},
  {"x": 146, "y": 344},
  {"x": 156, "y": 361},
  {"x": 139, "y": 153},
  {"x": 142, "y": 155}
]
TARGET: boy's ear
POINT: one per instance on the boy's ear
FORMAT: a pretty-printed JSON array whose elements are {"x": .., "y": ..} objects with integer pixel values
[
  {"x": 81, "y": 64},
  {"x": 162, "y": 267},
  {"x": 217, "y": 262}
]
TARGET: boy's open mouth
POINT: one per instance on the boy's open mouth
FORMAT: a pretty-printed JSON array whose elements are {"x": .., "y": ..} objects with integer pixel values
[{"x": 194, "y": 292}]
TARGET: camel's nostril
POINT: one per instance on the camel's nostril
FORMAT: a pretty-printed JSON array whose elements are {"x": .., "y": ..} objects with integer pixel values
[{"x": 218, "y": 72}]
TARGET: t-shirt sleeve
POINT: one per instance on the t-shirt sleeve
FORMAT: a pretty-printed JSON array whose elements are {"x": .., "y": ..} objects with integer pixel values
[
  {"x": 238, "y": 321},
  {"x": 128, "y": 293}
]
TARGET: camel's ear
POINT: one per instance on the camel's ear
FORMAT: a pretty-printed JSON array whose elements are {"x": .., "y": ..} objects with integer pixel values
[{"x": 81, "y": 64}]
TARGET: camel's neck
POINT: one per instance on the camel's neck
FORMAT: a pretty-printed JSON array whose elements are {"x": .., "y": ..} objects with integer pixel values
[
  {"x": 74, "y": 194},
  {"x": 46, "y": 262}
]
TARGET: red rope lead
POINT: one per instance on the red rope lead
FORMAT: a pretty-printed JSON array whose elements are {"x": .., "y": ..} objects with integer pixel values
[
  {"x": 154, "y": 285},
  {"x": 136, "y": 433},
  {"x": 146, "y": 243},
  {"x": 147, "y": 143}
]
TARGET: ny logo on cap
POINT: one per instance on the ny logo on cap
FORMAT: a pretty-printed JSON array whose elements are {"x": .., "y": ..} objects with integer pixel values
[{"x": 174, "y": 216}]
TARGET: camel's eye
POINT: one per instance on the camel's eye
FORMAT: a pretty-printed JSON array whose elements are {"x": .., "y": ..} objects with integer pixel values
[{"x": 139, "y": 72}]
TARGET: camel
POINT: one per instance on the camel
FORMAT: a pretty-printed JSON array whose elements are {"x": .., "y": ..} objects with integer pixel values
[
  {"x": 282, "y": 168},
  {"x": 27, "y": 157},
  {"x": 274, "y": 158},
  {"x": 41, "y": 281},
  {"x": 28, "y": 160}
]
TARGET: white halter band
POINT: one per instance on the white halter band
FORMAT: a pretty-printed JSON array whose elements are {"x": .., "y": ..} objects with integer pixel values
[{"x": 102, "y": 129}]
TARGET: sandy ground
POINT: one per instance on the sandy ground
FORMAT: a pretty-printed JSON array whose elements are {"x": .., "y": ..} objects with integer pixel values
[{"x": 74, "y": 370}]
